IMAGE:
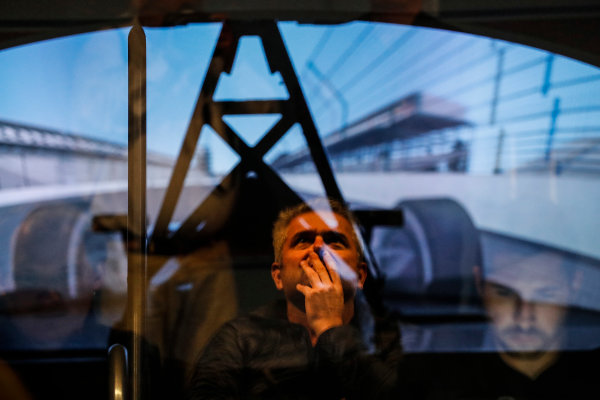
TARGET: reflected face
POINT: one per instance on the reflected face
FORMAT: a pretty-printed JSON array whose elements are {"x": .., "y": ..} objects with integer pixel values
[
  {"x": 527, "y": 304},
  {"x": 314, "y": 232}
]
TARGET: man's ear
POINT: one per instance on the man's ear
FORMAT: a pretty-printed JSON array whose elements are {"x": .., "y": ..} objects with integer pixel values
[
  {"x": 276, "y": 275},
  {"x": 362, "y": 274},
  {"x": 478, "y": 275}
]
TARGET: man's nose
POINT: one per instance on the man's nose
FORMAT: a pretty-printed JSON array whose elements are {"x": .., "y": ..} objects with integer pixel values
[
  {"x": 319, "y": 243},
  {"x": 525, "y": 313}
]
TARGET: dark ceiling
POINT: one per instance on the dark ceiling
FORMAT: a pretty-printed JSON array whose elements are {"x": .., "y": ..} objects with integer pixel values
[{"x": 568, "y": 27}]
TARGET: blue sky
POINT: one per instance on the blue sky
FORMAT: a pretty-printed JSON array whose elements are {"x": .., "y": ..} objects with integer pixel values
[
  {"x": 78, "y": 84},
  {"x": 73, "y": 84}
]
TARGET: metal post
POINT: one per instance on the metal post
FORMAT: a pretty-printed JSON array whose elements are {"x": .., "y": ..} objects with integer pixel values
[
  {"x": 548, "y": 74},
  {"x": 499, "y": 150},
  {"x": 24, "y": 169},
  {"x": 136, "y": 211},
  {"x": 552, "y": 130},
  {"x": 497, "y": 82}
]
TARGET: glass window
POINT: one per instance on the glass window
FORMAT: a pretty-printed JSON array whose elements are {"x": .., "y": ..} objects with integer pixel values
[{"x": 471, "y": 165}]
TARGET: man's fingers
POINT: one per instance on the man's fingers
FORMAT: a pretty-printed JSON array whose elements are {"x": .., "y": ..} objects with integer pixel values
[
  {"x": 305, "y": 290},
  {"x": 319, "y": 267},
  {"x": 331, "y": 264},
  {"x": 311, "y": 274}
]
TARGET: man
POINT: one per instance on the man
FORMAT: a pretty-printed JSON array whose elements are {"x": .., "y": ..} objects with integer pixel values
[
  {"x": 526, "y": 298},
  {"x": 311, "y": 345},
  {"x": 314, "y": 250},
  {"x": 526, "y": 292}
]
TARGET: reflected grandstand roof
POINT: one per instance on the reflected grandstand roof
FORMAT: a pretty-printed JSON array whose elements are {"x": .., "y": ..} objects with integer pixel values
[
  {"x": 414, "y": 115},
  {"x": 16, "y": 135}
]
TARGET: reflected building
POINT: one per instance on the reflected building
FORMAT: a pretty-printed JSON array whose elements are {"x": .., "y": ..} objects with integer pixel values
[
  {"x": 35, "y": 156},
  {"x": 416, "y": 133}
]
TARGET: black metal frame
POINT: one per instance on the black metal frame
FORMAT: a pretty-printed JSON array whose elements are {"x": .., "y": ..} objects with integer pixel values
[{"x": 211, "y": 112}]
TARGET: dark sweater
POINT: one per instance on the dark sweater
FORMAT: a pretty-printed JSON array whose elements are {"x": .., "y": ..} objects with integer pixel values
[
  {"x": 470, "y": 376},
  {"x": 265, "y": 356}
]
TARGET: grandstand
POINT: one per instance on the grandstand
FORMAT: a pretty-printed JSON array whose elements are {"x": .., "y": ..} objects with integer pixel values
[
  {"x": 381, "y": 140},
  {"x": 35, "y": 156},
  {"x": 422, "y": 132}
]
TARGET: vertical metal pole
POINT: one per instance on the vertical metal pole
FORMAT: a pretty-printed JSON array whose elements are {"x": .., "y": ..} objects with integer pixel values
[
  {"x": 548, "y": 74},
  {"x": 136, "y": 211},
  {"x": 497, "y": 82},
  {"x": 24, "y": 169},
  {"x": 499, "y": 150},
  {"x": 552, "y": 130}
]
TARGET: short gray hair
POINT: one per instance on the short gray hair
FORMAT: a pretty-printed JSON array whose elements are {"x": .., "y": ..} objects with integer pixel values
[{"x": 320, "y": 204}]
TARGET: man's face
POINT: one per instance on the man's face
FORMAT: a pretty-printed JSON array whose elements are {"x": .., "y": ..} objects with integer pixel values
[
  {"x": 527, "y": 304},
  {"x": 314, "y": 232}
]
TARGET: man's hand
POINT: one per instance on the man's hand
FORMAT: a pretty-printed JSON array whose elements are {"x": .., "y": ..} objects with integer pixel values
[{"x": 324, "y": 298}]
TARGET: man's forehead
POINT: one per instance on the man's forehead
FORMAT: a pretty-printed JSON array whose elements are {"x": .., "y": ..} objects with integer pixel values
[
  {"x": 538, "y": 271},
  {"x": 319, "y": 220}
]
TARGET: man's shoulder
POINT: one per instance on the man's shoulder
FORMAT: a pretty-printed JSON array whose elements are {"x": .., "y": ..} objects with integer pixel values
[
  {"x": 269, "y": 317},
  {"x": 275, "y": 310},
  {"x": 576, "y": 365}
]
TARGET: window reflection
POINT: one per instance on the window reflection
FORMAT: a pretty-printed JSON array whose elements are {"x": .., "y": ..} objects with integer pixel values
[
  {"x": 62, "y": 287},
  {"x": 486, "y": 148}
]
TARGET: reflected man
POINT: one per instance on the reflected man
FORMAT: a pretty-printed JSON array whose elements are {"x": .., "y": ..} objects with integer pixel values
[
  {"x": 527, "y": 301},
  {"x": 528, "y": 293},
  {"x": 311, "y": 345}
]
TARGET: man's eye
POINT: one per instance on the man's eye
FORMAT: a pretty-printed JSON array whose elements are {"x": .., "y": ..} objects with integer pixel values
[
  {"x": 504, "y": 292},
  {"x": 501, "y": 291},
  {"x": 335, "y": 240},
  {"x": 336, "y": 245},
  {"x": 551, "y": 295},
  {"x": 302, "y": 241}
]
